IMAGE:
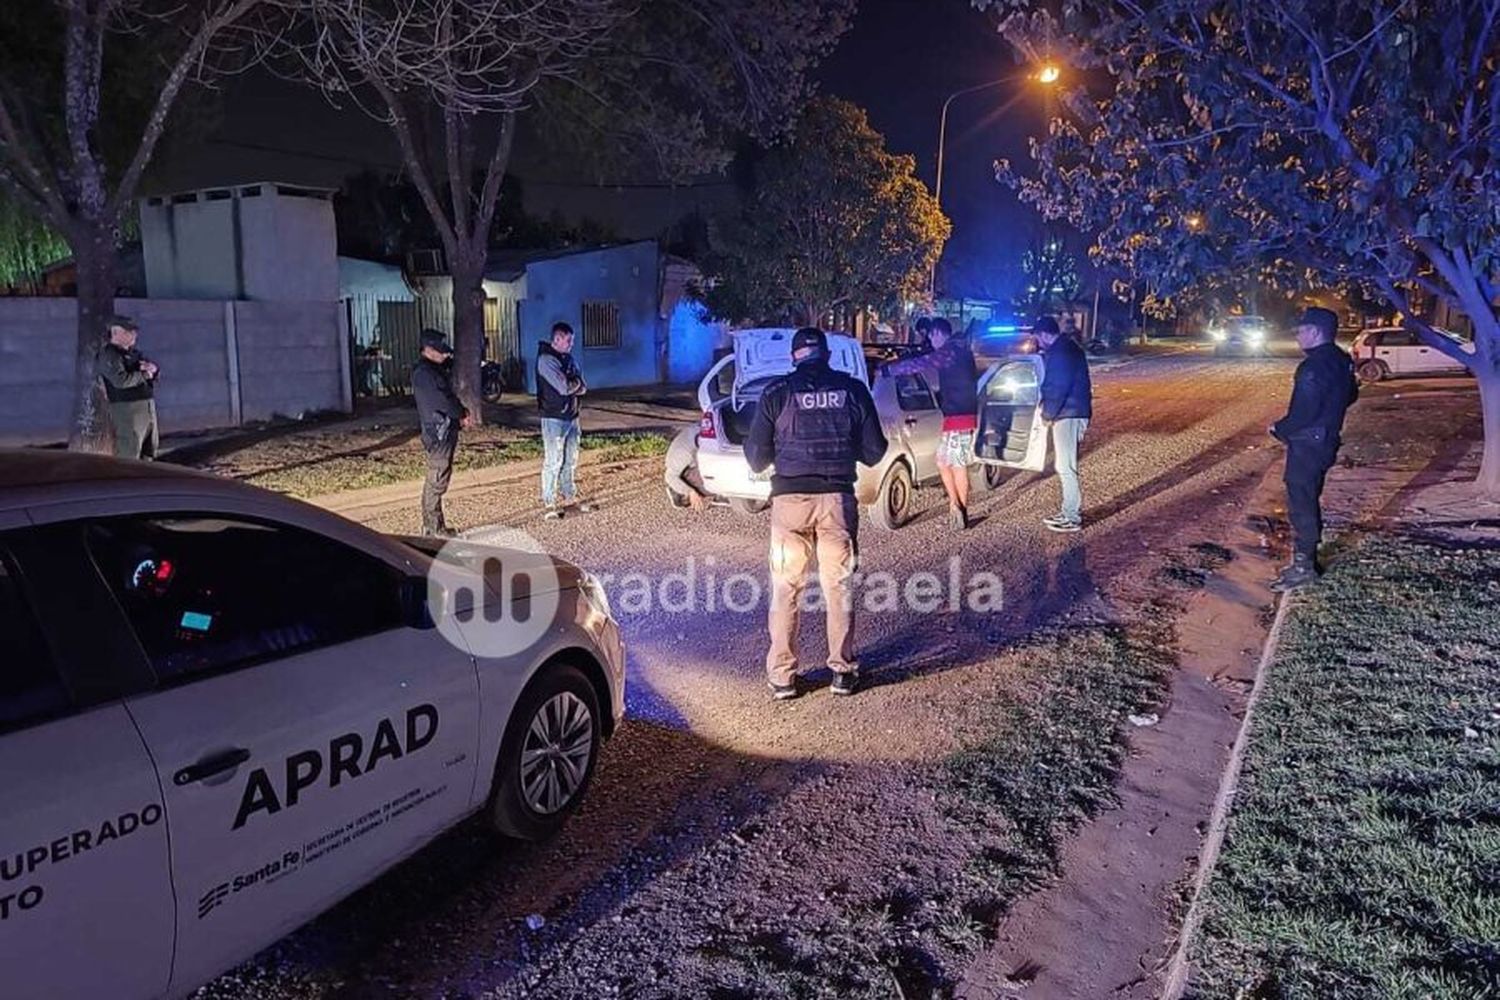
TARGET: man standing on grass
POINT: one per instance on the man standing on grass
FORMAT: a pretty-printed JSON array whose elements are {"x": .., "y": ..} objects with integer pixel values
[
  {"x": 815, "y": 425},
  {"x": 1067, "y": 406},
  {"x": 130, "y": 386},
  {"x": 1322, "y": 391},
  {"x": 559, "y": 384},
  {"x": 441, "y": 415},
  {"x": 952, "y": 368}
]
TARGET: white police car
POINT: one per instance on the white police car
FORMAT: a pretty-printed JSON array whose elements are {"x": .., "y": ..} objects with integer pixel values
[{"x": 222, "y": 710}]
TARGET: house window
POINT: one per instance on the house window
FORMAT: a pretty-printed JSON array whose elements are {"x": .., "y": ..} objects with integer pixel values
[{"x": 601, "y": 324}]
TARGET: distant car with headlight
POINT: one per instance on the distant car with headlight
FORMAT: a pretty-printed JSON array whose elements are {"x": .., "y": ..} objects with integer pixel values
[
  {"x": 223, "y": 710},
  {"x": 1244, "y": 336}
]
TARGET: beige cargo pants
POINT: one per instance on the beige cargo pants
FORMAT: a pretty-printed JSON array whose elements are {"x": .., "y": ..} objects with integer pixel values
[{"x": 803, "y": 524}]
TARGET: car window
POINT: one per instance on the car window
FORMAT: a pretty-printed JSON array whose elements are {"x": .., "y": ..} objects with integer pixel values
[
  {"x": 206, "y": 594},
  {"x": 1014, "y": 384},
  {"x": 31, "y": 689},
  {"x": 912, "y": 393}
]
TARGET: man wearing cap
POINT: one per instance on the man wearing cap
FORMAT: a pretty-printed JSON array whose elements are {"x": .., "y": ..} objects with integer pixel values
[
  {"x": 1067, "y": 406},
  {"x": 130, "y": 386},
  {"x": 1322, "y": 391},
  {"x": 815, "y": 425},
  {"x": 441, "y": 414}
]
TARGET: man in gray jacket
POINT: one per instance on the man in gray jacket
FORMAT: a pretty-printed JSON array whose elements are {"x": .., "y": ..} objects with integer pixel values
[{"x": 130, "y": 386}]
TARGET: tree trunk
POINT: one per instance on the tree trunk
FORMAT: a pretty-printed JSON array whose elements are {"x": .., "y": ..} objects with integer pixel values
[
  {"x": 94, "y": 255},
  {"x": 1489, "y": 402},
  {"x": 468, "y": 330}
]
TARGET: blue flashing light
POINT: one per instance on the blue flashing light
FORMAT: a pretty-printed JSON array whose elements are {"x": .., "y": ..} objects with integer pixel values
[{"x": 1004, "y": 329}]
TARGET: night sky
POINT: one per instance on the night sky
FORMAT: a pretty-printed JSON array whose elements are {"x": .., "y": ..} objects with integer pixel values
[{"x": 900, "y": 60}]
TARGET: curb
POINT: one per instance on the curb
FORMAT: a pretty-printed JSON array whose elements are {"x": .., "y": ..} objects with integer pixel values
[{"x": 1213, "y": 842}]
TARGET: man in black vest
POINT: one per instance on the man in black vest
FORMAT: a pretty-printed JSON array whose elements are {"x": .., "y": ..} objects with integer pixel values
[
  {"x": 130, "y": 386},
  {"x": 558, "y": 386},
  {"x": 950, "y": 366},
  {"x": 1322, "y": 391},
  {"x": 441, "y": 415},
  {"x": 815, "y": 425}
]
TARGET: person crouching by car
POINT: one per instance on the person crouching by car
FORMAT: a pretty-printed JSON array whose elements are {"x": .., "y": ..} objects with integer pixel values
[
  {"x": 441, "y": 414},
  {"x": 1067, "y": 406},
  {"x": 815, "y": 425},
  {"x": 951, "y": 366},
  {"x": 680, "y": 472}
]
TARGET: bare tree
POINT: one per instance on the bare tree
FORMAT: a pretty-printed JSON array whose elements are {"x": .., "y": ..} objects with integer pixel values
[
  {"x": 53, "y": 155},
  {"x": 449, "y": 77}
]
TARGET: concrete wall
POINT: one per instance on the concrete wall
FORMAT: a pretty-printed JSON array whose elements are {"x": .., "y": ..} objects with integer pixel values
[
  {"x": 221, "y": 363},
  {"x": 256, "y": 241},
  {"x": 627, "y": 275}
]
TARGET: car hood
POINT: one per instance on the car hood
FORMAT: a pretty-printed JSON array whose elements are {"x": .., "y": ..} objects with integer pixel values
[{"x": 548, "y": 572}]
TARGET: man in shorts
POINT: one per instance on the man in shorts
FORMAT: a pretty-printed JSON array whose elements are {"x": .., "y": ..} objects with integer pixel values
[{"x": 951, "y": 367}]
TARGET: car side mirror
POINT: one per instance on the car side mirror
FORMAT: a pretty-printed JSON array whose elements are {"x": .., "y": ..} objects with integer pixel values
[{"x": 412, "y": 593}]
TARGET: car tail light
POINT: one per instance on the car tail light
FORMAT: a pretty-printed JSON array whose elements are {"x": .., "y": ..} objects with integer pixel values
[{"x": 706, "y": 427}]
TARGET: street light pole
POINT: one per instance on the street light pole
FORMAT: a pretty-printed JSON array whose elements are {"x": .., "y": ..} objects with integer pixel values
[{"x": 1048, "y": 74}]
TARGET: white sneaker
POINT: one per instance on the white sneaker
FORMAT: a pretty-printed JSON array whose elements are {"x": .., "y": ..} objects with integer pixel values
[{"x": 1064, "y": 527}]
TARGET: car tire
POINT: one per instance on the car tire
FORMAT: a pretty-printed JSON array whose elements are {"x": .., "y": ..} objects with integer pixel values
[
  {"x": 532, "y": 803},
  {"x": 892, "y": 507},
  {"x": 992, "y": 476},
  {"x": 1372, "y": 370},
  {"x": 748, "y": 507}
]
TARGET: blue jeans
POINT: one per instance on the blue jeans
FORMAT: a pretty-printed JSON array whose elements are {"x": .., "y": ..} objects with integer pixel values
[
  {"x": 1067, "y": 433},
  {"x": 559, "y": 460}
]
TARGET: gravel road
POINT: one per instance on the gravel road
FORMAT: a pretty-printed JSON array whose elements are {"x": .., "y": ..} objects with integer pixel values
[{"x": 723, "y": 829}]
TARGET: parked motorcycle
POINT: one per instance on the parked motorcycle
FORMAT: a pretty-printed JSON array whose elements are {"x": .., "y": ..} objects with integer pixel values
[{"x": 491, "y": 380}]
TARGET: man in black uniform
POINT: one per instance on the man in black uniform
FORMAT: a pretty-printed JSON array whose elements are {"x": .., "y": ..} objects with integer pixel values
[
  {"x": 441, "y": 415},
  {"x": 815, "y": 424},
  {"x": 1323, "y": 389},
  {"x": 130, "y": 386}
]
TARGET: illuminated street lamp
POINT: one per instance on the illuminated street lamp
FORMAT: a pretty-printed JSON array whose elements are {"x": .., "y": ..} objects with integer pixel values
[
  {"x": 1048, "y": 75},
  {"x": 1194, "y": 222}
]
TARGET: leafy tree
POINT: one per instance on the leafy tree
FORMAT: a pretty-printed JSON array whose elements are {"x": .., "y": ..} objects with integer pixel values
[
  {"x": 1049, "y": 268},
  {"x": 829, "y": 219},
  {"x": 1325, "y": 141},
  {"x": 27, "y": 245},
  {"x": 86, "y": 90}
]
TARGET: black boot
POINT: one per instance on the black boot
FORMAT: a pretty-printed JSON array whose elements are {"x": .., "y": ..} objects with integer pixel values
[{"x": 1302, "y": 571}]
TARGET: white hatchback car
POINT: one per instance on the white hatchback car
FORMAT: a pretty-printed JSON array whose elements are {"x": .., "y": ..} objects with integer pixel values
[
  {"x": 1011, "y": 432},
  {"x": 222, "y": 710},
  {"x": 1389, "y": 351}
]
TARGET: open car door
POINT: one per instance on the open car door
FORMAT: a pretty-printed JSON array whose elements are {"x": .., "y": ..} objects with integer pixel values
[{"x": 1011, "y": 431}]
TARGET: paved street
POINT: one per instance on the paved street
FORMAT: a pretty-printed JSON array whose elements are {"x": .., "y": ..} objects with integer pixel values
[{"x": 1176, "y": 446}]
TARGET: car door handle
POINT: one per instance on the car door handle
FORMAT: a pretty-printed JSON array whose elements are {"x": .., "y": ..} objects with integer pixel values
[
  {"x": 910, "y": 421},
  {"x": 207, "y": 768}
]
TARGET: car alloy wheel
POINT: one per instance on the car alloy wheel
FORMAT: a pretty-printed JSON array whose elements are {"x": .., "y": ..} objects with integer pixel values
[{"x": 556, "y": 754}]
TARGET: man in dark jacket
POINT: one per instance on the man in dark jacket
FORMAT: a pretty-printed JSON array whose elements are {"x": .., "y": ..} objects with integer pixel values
[
  {"x": 441, "y": 415},
  {"x": 559, "y": 384},
  {"x": 1067, "y": 405},
  {"x": 815, "y": 425},
  {"x": 130, "y": 386},
  {"x": 1322, "y": 390},
  {"x": 950, "y": 366}
]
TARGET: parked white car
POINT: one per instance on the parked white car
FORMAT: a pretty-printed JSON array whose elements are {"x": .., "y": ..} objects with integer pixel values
[
  {"x": 1389, "y": 351},
  {"x": 1011, "y": 433},
  {"x": 222, "y": 711}
]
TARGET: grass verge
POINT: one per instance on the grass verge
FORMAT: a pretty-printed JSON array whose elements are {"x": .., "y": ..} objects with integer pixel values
[
  {"x": 338, "y": 472},
  {"x": 1363, "y": 853}
]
